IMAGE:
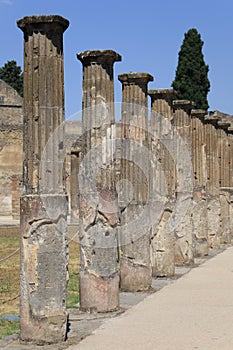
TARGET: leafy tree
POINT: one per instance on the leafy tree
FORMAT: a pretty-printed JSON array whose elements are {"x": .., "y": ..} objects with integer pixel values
[
  {"x": 191, "y": 80},
  {"x": 12, "y": 75}
]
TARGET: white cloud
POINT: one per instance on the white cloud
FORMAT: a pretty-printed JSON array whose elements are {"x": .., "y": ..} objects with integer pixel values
[{"x": 6, "y": 2}]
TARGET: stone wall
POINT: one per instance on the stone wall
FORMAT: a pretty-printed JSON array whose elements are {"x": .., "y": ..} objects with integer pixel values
[
  {"x": 11, "y": 147},
  {"x": 11, "y": 150}
]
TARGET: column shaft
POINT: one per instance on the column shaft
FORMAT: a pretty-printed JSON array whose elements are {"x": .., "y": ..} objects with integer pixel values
[
  {"x": 164, "y": 181},
  {"x": 199, "y": 208},
  {"x": 135, "y": 266},
  {"x": 99, "y": 277},
  {"x": 212, "y": 183},
  {"x": 224, "y": 180},
  {"x": 44, "y": 204},
  {"x": 184, "y": 253}
]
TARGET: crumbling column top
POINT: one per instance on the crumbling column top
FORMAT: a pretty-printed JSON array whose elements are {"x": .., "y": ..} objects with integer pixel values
[
  {"x": 198, "y": 113},
  {"x": 163, "y": 93},
  {"x": 135, "y": 77},
  {"x": 183, "y": 104},
  {"x": 41, "y": 21},
  {"x": 95, "y": 56},
  {"x": 223, "y": 124}
]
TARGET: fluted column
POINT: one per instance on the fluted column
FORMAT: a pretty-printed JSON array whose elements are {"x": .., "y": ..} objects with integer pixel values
[
  {"x": 99, "y": 277},
  {"x": 164, "y": 181},
  {"x": 224, "y": 179},
  {"x": 43, "y": 204},
  {"x": 230, "y": 140},
  {"x": 199, "y": 209},
  {"x": 74, "y": 193},
  {"x": 134, "y": 201},
  {"x": 184, "y": 252},
  {"x": 212, "y": 183}
]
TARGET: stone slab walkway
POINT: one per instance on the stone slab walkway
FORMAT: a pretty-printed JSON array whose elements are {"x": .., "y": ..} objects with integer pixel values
[{"x": 194, "y": 312}]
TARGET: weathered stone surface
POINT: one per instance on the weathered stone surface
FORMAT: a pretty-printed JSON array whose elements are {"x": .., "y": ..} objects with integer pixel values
[
  {"x": 163, "y": 181},
  {"x": 213, "y": 220},
  {"x": 74, "y": 165},
  {"x": 104, "y": 293},
  {"x": 11, "y": 148},
  {"x": 43, "y": 207},
  {"x": 210, "y": 139},
  {"x": 43, "y": 102},
  {"x": 184, "y": 247},
  {"x": 16, "y": 191},
  {"x": 142, "y": 276},
  {"x": 199, "y": 209},
  {"x": 44, "y": 263},
  {"x": 225, "y": 203},
  {"x": 199, "y": 223},
  {"x": 163, "y": 248},
  {"x": 135, "y": 265},
  {"x": 99, "y": 277},
  {"x": 225, "y": 182}
]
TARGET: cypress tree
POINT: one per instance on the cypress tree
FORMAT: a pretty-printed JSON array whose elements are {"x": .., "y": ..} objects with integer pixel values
[
  {"x": 191, "y": 80},
  {"x": 13, "y": 76}
]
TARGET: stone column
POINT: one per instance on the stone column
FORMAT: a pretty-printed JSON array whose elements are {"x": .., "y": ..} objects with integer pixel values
[
  {"x": 230, "y": 139},
  {"x": 164, "y": 181},
  {"x": 212, "y": 182},
  {"x": 184, "y": 252},
  {"x": 224, "y": 179},
  {"x": 75, "y": 160},
  {"x": 99, "y": 276},
  {"x": 199, "y": 210},
  {"x": 135, "y": 266},
  {"x": 43, "y": 204}
]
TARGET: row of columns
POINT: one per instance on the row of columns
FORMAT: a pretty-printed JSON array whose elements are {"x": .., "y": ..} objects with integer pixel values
[{"x": 145, "y": 212}]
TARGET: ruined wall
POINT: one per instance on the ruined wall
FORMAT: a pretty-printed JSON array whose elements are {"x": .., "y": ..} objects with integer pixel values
[{"x": 11, "y": 147}]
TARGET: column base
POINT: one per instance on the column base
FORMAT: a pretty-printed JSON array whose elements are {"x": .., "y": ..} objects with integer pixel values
[
  {"x": 98, "y": 294},
  {"x": 134, "y": 277},
  {"x": 50, "y": 329}
]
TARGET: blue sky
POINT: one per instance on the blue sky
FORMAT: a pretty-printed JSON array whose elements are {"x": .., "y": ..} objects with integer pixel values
[{"x": 148, "y": 35}]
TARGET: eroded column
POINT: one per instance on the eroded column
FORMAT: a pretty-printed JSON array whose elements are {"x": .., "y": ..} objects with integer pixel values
[
  {"x": 43, "y": 204},
  {"x": 184, "y": 252},
  {"x": 230, "y": 140},
  {"x": 99, "y": 277},
  {"x": 74, "y": 194},
  {"x": 224, "y": 179},
  {"x": 134, "y": 198},
  {"x": 163, "y": 181},
  {"x": 199, "y": 208},
  {"x": 212, "y": 182}
]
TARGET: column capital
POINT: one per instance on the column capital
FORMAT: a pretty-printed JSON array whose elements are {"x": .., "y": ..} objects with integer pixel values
[
  {"x": 199, "y": 113},
  {"x": 135, "y": 77},
  {"x": 41, "y": 22},
  {"x": 98, "y": 56},
  {"x": 224, "y": 124},
  {"x": 185, "y": 105},
  {"x": 161, "y": 93}
]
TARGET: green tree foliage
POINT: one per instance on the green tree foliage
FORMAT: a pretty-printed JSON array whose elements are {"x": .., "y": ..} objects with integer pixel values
[
  {"x": 12, "y": 75},
  {"x": 191, "y": 80}
]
